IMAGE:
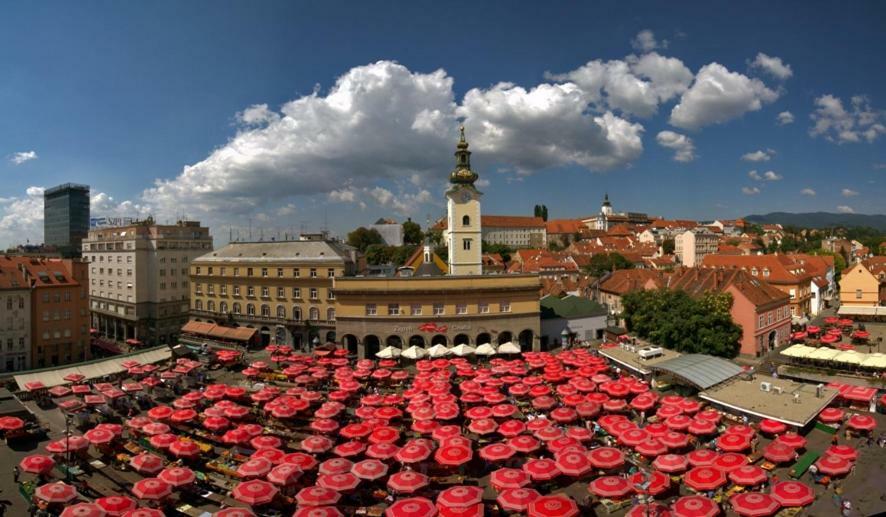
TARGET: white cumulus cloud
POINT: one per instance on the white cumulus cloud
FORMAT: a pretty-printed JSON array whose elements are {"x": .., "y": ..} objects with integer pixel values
[
  {"x": 22, "y": 157},
  {"x": 750, "y": 191},
  {"x": 860, "y": 122},
  {"x": 21, "y": 218},
  {"x": 759, "y": 155},
  {"x": 843, "y": 209},
  {"x": 848, "y": 192},
  {"x": 645, "y": 41},
  {"x": 784, "y": 118},
  {"x": 684, "y": 148},
  {"x": 774, "y": 66},
  {"x": 719, "y": 95},
  {"x": 807, "y": 192}
]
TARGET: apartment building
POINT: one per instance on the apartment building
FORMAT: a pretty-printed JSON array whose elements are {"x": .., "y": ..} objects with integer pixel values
[
  {"x": 15, "y": 318},
  {"x": 282, "y": 288},
  {"x": 138, "y": 278},
  {"x": 693, "y": 245}
]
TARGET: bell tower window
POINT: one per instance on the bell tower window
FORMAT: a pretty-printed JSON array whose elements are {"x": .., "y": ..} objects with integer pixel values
[
  {"x": 466, "y": 220},
  {"x": 466, "y": 244}
]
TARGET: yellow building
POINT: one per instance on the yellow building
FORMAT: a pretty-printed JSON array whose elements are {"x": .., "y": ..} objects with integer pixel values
[
  {"x": 863, "y": 288},
  {"x": 374, "y": 312},
  {"x": 282, "y": 288}
]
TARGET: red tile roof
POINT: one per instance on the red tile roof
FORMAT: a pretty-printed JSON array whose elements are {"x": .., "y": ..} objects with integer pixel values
[
  {"x": 567, "y": 226},
  {"x": 511, "y": 221},
  {"x": 782, "y": 269},
  {"x": 43, "y": 272},
  {"x": 697, "y": 281},
  {"x": 624, "y": 281}
]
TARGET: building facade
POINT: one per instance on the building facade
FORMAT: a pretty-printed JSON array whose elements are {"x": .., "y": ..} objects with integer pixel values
[
  {"x": 515, "y": 231},
  {"x": 391, "y": 231},
  {"x": 66, "y": 217},
  {"x": 138, "y": 278},
  {"x": 283, "y": 288},
  {"x": 693, "y": 245},
  {"x": 607, "y": 217},
  {"x": 423, "y": 311},
  {"x": 464, "y": 234},
  {"x": 15, "y": 319},
  {"x": 569, "y": 319},
  {"x": 863, "y": 288}
]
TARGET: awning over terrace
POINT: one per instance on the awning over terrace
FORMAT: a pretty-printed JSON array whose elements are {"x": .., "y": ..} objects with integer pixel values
[
  {"x": 211, "y": 330},
  {"x": 92, "y": 369},
  {"x": 702, "y": 371}
]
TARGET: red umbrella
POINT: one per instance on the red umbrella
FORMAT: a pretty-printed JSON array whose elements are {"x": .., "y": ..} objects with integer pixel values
[
  {"x": 177, "y": 476},
  {"x": 695, "y": 506},
  {"x": 412, "y": 507},
  {"x": 705, "y": 478},
  {"x": 573, "y": 463},
  {"x": 83, "y": 510},
  {"x": 254, "y": 468},
  {"x": 183, "y": 415},
  {"x": 155, "y": 428},
  {"x": 160, "y": 412},
  {"x": 770, "y": 426},
  {"x": 678, "y": 422},
  {"x": 382, "y": 451},
  {"x": 730, "y": 461},
  {"x": 315, "y": 444},
  {"x": 606, "y": 458},
  {"x": 413, "y": 454},
  {"x": 407, "y": 481},
  {"x": 793, "y": 440},
  {"x": 483, "y": 426},
  {"x": 151, "y": 489},
  {"x": 524, "y": 443},
  {"x": 541, "y": 469},
  {"x": 610, "y": 487},
  {"x": 741, "y": 429},
  {"x": 754, "y": 504},
  {"x": 748, "y": 475},
  {"x": 655, "y": 482},
  {"x": 777, "y": 452},
  {"x": 57, "y": 492},
  {"x": 702, "y": 457},
  {"x": 517, "y": 499},
  {"x": 348, "y": 449},
  {"x": 254, "y": 492},
  {"x": 668, "y": 410},
  {"x": 11, "y": 423},
  {"x": 651, "y": 447},
  {"x": 184, "y": 448},
  {"x": 339, "y": 482},
  {"x": 74, "y": 443},
  {"x": 700, "y": 426},
  {"x": 833, "y": 465},
  {"x": 163, "y": 441},
  {"x": 317, "y": 511},
  {"x": 356, "y": 430},
  {"x": 285, "y": 474},
  {"x": 336, "y": 466},
  {"x": 862, "y": 422},
  {"x": 369, "y": 469},
  {"x": 146, "y": 463},
  {"x": 505, "y": 478},
  {"x": 460, "y": 496},
  {"x": 552, "y": 506},
  {"x": 830, "y": 415},
  {"x": 792, "y": 493},
  {"x": 648, "y": 510},
  {"x": 36, "y": 464},
  {"x": 497, "y": 452},
  {"x": 454, "y": 455},
  {"x": 216, "y": 423},
  {"x": 674, "y": 439},
  {"x": 633, "y": 437},
  {"x": 116, "y": 504},
  {"x": 384, "y": 434},
  {"x": 732, "y": 442},
  {"x": 265, "y": 441},
  {"x": 671, "y": 463},
  {"x": 474, "y": 510},
  {"x": 315, "y": 496},
  {"x": 842, "y": 451}
]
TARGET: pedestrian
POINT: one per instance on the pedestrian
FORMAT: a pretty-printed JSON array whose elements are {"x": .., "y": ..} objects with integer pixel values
[
  {"x": 835, "y": 439},
  {"x": 15, "y": 473}
]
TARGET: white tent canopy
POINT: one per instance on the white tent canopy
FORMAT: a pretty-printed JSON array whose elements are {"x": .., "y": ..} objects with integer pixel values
[
  {"x": 509, "y": 348},
  {"x": 93, "y": 369},
  {"x": 438, "y": 350},
  {"x": 414, "y": 352},
  {"x": 389, "y": 352},
  {"x": 486, "y": 349},
  {"x": 463, "y": 350}
]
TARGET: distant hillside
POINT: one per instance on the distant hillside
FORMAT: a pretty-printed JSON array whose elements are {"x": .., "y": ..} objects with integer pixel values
[{"x": 820, "y": 220}]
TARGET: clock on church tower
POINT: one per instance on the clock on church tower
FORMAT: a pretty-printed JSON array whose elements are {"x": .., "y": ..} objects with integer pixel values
[{"x": 463, "y": 208}]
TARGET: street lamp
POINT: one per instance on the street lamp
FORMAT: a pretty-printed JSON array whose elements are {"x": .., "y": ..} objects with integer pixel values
[
  {"x": 564, "y": 337},
  {"x": 68, "y": 418}
]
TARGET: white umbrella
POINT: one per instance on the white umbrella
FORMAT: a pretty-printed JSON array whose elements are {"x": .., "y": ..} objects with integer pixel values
[
  {"x": 414, "y": 352},
  {"x": 486, "y": 349},
  {"x": 389, "y": 352},
  {"x": 463, "y": 350},
  {"x": 509, "y": 348},
  {"x": 438, "y": 351}
]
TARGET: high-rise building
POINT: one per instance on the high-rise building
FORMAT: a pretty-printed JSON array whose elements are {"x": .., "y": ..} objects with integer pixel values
[
  {"x": 138, "y": 278},
  {"x": 66, "y": 217}
]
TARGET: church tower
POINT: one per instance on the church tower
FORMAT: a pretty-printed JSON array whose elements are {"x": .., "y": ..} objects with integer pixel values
[{"x": 463, "y": 207}]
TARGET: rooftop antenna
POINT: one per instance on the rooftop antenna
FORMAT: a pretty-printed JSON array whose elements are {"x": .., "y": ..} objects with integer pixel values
[{"x": 250, "y": 228}]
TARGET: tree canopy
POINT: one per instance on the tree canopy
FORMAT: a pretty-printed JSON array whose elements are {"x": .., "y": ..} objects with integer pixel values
[
  {"x": 602, "y": 263},
  {"x": 677, "y": 321},
  {"x": 502, "y": 249},
  {"x": 412, "y": 233},
  {"x": 541, "y": 211},
  {"x": 362, "y": 238}
]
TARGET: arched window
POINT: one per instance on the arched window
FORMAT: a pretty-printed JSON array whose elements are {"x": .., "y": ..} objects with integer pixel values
[
  {"x": 281, "y": 312},
  {"x": 330, "y": 314},
  {"x": 466, "y": 220},
  {"x": 315, "y": 314},
  {"x": 265, "y": 311},
  {"x": 296, "y": 313},
  {"x": 250, "y": 309},
  {"x": 210, "y": 306},
  {"x": 223, "y": 307},
  {"x": 198, "y": 305},
  {"x": 236, "y": 308}
]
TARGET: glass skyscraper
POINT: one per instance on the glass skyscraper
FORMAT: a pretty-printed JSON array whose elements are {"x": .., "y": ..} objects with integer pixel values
[{"x": 66, "y": 217}]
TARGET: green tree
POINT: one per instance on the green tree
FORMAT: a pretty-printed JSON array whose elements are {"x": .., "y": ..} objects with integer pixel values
[
  {"x": 362, "y": 238},
  {"x": 412, "y": 233},
  {"x": 668, "y": 246},
  {"x": 502, "y": 249},
  {"x": 603, "y": 263},
  {"x": 541, "y": 211}
]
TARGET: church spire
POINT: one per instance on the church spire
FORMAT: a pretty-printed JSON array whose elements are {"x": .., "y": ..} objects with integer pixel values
[{"x": 462, "y": 174}]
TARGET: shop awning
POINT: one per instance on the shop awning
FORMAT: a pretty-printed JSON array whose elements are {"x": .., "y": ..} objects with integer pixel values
[
  {"x": 92, "y": 369},
  {"x": 211, "y": 330}
]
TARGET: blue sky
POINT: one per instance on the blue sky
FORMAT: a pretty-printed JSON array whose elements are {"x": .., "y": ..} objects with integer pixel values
[{"x": 289, "y": 114}]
